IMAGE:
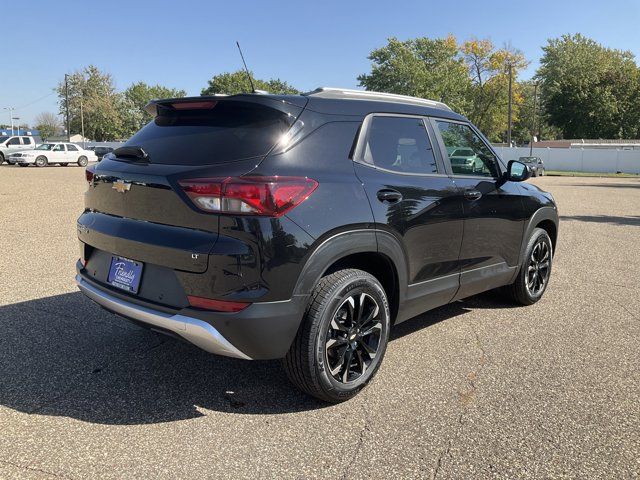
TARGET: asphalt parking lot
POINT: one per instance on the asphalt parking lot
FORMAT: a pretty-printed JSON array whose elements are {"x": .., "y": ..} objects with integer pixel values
[{"x": 476, "y": 389}]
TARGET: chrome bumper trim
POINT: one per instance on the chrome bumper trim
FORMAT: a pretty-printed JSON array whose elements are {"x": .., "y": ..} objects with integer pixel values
[{"x": 195, "y": 331}]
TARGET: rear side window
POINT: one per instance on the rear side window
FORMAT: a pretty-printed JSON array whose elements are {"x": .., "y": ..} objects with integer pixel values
[
  {"x": 72, "y": 148},
  {"x": 399, "y": 144},
  {"x": 231, "y": 130}
]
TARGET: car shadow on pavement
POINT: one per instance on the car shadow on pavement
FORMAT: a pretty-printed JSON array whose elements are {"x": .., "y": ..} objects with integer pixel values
[
  {"x": 613, "y": 220},
  {"x": 64, "y": 356}
]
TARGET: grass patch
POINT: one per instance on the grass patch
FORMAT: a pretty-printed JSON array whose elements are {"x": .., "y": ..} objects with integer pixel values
[{"x": 558, "y": 173}]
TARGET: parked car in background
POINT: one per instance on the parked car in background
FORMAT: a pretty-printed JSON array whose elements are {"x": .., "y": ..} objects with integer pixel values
[
  {"x": 465, "y": 160},
  {"x": 54, "y": 153},
  {"x": 100, "y": 150},
  {"x": 535, "y": 164},
  {"x": 10, "y": 144},
  {"x": 305, "y": 227}
]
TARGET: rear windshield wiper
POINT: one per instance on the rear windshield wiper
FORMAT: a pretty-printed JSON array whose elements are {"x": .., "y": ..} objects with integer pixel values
[{"x": 131, "y": 152}]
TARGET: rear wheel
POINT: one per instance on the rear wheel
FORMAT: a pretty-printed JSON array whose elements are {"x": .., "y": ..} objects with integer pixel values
[
  {"x": 41, "y": 161},
  {"x": 535, "y": 272},
  {"x": 1, "y": 158},
  {"x": 343, "y": 336},
  {"x": 82, "y": 161}
]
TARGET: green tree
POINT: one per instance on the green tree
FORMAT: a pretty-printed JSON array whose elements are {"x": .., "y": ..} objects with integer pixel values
[
  {"x": 422, "y": 67},
  {"x": 47, "y": 124},
  {"x": 489, "y": 95},
  {"x": 472, "y": 77},
  {"x": 588, "y": 90},
  {"x": 93, "y": 92},
  {"x": 133, "y": 101},
  {"x": 237, "y": 82},
  {"x": 524, "y": 122}
]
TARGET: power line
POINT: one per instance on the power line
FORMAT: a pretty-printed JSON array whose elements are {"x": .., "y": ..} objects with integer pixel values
[{"x": 35, "y": 101}]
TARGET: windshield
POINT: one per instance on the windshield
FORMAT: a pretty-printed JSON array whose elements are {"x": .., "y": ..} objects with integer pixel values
[
  {"x": 3, "y": 139},
  {"x": 529, "y": 159},
  {"x": 45, "y": 146}
]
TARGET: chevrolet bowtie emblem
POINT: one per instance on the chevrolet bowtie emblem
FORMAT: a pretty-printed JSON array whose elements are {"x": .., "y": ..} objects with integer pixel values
[{"x": 121, "y": 186}]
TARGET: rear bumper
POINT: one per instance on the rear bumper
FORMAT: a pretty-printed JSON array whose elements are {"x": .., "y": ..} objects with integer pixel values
[
  {"x": 261, "y": 331},
  {"x": 191, "y": 329}
]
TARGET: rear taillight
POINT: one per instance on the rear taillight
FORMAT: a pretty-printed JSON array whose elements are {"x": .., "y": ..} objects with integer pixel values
[
  {"x": 268, "y": 196},
  {"x": 89, "y": 174},
  {"x": 216, "y": 305}
]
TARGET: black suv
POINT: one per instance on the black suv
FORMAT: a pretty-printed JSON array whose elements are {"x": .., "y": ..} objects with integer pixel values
[{"x": 304, "y": 227}]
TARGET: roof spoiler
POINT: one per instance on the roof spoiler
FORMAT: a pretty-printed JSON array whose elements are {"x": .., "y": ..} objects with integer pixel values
[
  {"x": 197, "y": 102},
  {"x": 209, "y": 101}
]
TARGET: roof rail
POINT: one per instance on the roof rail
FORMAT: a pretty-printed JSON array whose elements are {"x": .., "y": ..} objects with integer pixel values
[{"x": 329, "y": 92}]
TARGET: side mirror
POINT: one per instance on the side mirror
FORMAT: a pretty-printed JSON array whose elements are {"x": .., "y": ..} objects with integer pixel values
[{"x": 517, "y": 171}]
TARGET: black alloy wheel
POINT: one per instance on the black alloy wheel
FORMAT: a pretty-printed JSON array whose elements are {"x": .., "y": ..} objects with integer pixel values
[
  {"x": 534, "y": 274},
  {"x": 343, "y": 336},
  {"x": 538, "y": 268},
  {"x": 353, "y": 338}
]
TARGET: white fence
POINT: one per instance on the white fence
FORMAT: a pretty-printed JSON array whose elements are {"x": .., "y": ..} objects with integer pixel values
[{"x": 579, "y": 159}]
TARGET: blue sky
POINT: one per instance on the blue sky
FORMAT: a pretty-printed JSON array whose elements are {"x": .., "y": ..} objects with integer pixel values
[{"x": 309, "y": 44}]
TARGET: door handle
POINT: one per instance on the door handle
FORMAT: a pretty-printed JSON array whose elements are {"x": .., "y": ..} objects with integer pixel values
[
  {"x": 472, "y": 194},
  {"x": 388, "y": 195}
]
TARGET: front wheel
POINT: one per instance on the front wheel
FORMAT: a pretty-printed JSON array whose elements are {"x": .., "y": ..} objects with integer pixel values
[
  {"x": 82, "y": 161},
  {"x": 343, "y": 336},
  {"x": 1, "y": 158},
  {"x": 41, "y": 161},
  {"x": 535, "y": 271}
]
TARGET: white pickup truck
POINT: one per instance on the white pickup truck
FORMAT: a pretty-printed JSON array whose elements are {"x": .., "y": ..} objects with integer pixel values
[{"x": 14, "y": 143}]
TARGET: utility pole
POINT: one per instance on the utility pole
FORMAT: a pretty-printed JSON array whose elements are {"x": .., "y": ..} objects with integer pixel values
[
  {"x": 82, "y": 122},
  {"x": 66, "y": 101},
  {"x": 533, "y": 122},
  {"x": 510, "y": 105},
  {"x": 11, "y": 109}
]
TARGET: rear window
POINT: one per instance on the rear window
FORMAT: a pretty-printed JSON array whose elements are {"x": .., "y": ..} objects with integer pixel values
[{"x": 231, "y": 130}]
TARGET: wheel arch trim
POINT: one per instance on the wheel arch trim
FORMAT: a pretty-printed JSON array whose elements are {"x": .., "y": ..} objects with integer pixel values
[
  {"x": 343, "y": 244},
  {"x": 540, "y": 215}
]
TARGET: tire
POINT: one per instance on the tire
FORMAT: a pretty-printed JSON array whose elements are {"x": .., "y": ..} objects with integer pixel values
[
  {"x": 64, "y": 164},
  {"x": 83, "y": 161},
  {"x": 524, "y": 290},
  {"x": 542, "y": 172},
  {"x": 1, "y": 158},
  {"x": 328, "y": 357},
  {"x": 41, "y": 161}
]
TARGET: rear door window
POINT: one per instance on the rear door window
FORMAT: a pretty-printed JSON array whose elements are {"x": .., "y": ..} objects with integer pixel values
[
  {"x": 26, "y": 141},
  {"x": 399, "y": 144},
  {"x": 229, "y": 131}
]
